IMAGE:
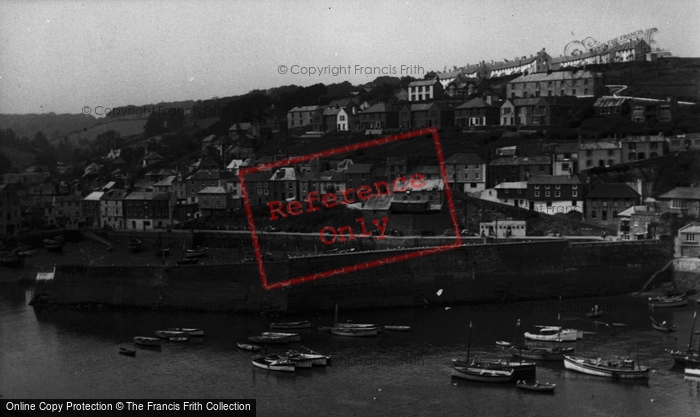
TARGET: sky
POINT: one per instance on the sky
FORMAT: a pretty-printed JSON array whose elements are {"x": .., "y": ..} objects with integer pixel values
[{"x": 60, "y": 56}]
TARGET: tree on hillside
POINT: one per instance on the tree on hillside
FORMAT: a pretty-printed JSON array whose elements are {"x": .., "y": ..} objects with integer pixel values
[{"x": 40, "y": 141}]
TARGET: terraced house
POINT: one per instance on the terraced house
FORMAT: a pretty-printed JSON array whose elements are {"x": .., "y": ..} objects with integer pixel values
[{"x": 148, "y": 210}]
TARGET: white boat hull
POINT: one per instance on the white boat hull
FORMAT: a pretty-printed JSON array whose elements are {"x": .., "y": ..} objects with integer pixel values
[
  {"x": 581, "y": 365},
  {"x": 569, "y": 335},
  {"x": 292, "y": 337},
  {"x": 692, "y": 372},
  {"x": 273, "y": 366}
]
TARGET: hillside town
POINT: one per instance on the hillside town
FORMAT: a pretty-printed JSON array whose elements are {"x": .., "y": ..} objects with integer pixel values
[{"x": 562, "y": 174}]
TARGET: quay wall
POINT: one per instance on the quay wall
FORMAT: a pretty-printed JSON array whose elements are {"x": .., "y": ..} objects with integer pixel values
[
  {"x": 686, "y": 273},
  {"x": 479, "y": 273}
]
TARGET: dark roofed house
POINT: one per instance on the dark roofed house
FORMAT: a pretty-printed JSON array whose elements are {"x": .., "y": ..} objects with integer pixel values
[
  {"x": 359, "y": 175},
  {"x": 151, "y": 159},
  {"x": 637, "y": 148},
  {"x": 607, "y": 200},
  {"x": 555, "y": 194},
  {"x": 466, "y": 172},
  {"x": 515, "y": 168},
  {"x": 379, "y": 116},
  {"x": 682, "y": 200},
  {"x": 478, "y": 112}
]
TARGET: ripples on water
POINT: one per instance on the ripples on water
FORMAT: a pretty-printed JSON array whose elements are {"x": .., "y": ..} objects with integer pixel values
[{"x": 73, "y": 354}]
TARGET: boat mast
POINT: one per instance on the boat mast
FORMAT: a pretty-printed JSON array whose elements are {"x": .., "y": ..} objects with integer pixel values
[
  {"x": 692, "y": 329},
  {"x": 520, "y": 345},
  {"x": 335, "y": 318},
  {"x": 469, "y": 342}
]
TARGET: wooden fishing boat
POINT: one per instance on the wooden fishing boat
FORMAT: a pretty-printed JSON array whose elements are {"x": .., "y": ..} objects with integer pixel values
[
  {"x": 397, "y": 328},
  {"x": 663, "y": 326},
  {"x": 503, "y": 343},
  {"x": 10, "y": 260},
  {"x": 554, "y": 334},
  {"x": 135, "y": 245},
  {"x": 692, "y": 372},
  {"x": 195, "y": 253},
  {"x": 54, "y": 245},
  {"x": 281, "y": 366},
  {"x": 624, "y": 369},
  {"x": 147, "y": 341},
  {"x": 466, "y": 370},
  {"x": 541, "y": 353},
  {"x": 354, "y": 332},
  {"x": 306, "y": 324},
  {"x": 268, "y": 340},
  {"x": 673, "y": 301},
  {"x": 167, "y": 334},
  {"x": 179, "y": 339},
  {"x": 681, "y": 356},
  {"x": 193, "y": 331},
  {"x": 316, "y": 358},
  {"x": 248, "y": 347},
  {"x": 536, "y": 386},
  {"x": 127, "y": 352},
  {"x": 482, "y": 375},
  {"x": 299, "y": 362},
  {"x": 349, "y": 325},
  {"x": 522, "y": 369},
  {"x": 595, "y": 312},
  {"x": 293, "y": 337}
]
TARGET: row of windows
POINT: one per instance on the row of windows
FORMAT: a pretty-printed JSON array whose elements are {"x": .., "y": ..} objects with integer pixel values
[
  {"x": 556, "y": 194},
  {"x": 556, "y": 186}
]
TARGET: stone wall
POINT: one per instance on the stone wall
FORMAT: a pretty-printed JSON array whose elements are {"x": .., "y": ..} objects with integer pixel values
[{"x": 477, "y": 273}]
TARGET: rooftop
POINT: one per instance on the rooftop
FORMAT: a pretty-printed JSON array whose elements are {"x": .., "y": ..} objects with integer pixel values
[
  {"x": 682, "y": 193},
  {"x": 613, "y": 191}
]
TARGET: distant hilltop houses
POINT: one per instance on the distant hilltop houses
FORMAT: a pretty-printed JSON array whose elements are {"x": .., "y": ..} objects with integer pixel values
[{"x": 534, "y": 90}]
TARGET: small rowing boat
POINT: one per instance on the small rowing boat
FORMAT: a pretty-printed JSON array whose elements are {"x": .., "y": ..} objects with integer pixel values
[
  {"x": 275, "y": 365},
  {"x": 147, "y": 341},
  {"x": 192, "y": 331},
  {"x": 248, "y": 347},
  {"x": 397, "y": 328},
  {"x": 127, "y": 352},
  {"x": 536, "y": 386},
  {"x": 305, "y": 324},
  {"x": 167, "y": 334},
  {"x": 502, "y": 343}
]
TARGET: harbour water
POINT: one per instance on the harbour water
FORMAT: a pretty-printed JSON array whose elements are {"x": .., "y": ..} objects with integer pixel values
[{"x": 72, "y": 354}]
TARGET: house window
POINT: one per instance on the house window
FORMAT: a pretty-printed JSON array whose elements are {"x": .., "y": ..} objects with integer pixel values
[
  {"x": 690, "y": 237},
  {"x": 679, "y": 204},
  {"x": 546, "y": 193},
  {"x": 604, "y": 215},
  {"x": 557, "y": 186},
  {"x": 537, "y": 193},
  {"x": 594, "y": 214},
  {"x": 546, "y": 187},
  {"x": 537, "y": 187},
  {"x": 557, "y": 194}
]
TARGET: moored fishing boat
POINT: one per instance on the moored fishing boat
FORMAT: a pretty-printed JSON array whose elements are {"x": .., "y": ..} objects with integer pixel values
[
  {"x": 682, "y": 356},
  {"x": 248, "y": 347},
  {"x": 554, "y": 334},
  {"x": 167, "y": 334},
  {"x": 147, "y": 341},
  {"x": 282, "y": 365},
  {"x": 663, "y": 326},
  {"x": 127, "y": 352},
  {"x": 520, "y": 369},
  {"x": 195, "y": 253},
  {"x": 293, "y": 337},
  {"x": 54, "y": 245},
  {"x": 536, "y": 386},
  {"x": 305, "y": 324},
  {"x": 541, "y": 353},
  {"x": 670, "y": 301},
  {"x": 692, "y": 372},
  {"x": 349, "y": 325},
  {"x": 10, "y": 260},
  {"x": 135, "y": 245},
  {"x": 354, "y": 332},
  {"x": 482, "y": 375},
  {"x": 269, "y": 339},
  {"x": 316, "y": 358},
  {"x": 193, "y": 331},
  {"x": 503, "y": 343},
  {"x": 624, "y": 369},
  {"x": 394, "y": 328}
]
